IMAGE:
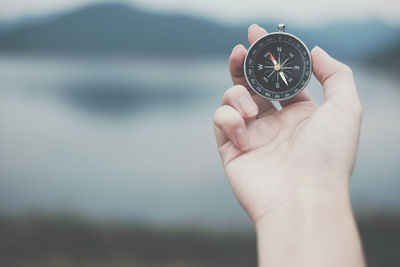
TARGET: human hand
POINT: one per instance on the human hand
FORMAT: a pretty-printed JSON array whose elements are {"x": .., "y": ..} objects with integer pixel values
[{"x": 270, "y": 156}]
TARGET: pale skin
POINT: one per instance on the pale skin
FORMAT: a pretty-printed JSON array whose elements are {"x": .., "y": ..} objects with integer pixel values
[{"x": 290, "y": 169}]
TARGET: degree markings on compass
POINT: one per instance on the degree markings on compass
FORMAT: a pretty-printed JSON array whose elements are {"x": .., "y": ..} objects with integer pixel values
[{"x": 264, "y": 67}]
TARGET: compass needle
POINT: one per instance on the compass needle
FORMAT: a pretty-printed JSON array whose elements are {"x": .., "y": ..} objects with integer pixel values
[
  {"x": 283, "y": 77},
  {"x": 272, "y": 59}
]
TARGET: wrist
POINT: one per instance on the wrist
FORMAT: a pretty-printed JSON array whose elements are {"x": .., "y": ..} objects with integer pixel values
[
  {"x": 312, "y": 219},
  {"x": 306, "y": 205}
]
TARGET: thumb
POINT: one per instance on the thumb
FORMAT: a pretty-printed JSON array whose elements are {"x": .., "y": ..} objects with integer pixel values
[{"x": 337, "y": 80}]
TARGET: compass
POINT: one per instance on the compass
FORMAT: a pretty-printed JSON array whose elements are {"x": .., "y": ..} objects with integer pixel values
[{"x": 278, "y": 66}]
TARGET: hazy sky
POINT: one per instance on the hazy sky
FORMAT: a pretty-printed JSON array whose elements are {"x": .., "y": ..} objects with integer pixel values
[{"x": 289, "y": 11}]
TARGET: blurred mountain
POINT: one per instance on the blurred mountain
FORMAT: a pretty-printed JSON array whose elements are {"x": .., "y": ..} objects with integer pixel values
[
  {"x": 9, "y": 26},
  {"x": 122, "y": 29},
  {"x": 350, "y": 41},
  {"x": 117, "y": 28}
]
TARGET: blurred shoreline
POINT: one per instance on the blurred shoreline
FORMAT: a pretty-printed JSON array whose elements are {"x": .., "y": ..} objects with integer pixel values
[
  {"x": 101, "y": 126},
  {"x": 64, "y": 241}
]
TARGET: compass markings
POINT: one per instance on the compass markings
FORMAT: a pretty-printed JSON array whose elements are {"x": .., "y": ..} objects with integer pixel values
[{"x": 291, "y": 57}]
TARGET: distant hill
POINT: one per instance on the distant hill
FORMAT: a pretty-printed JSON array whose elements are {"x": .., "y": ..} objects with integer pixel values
[
  {"x": 116, "y": 28},
  {"x": 349, "y": 41},
  {"x": 122, "y": 29}
]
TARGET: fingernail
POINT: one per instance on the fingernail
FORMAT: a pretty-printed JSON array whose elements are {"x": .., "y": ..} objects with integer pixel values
[
  {"x": 241, "y": 139},
  {"x": 253, "y": 25},
  {"x": 317, "y": 48},
  {"x": 237, "y": 46},
  {"x": 247, "y": 106}
]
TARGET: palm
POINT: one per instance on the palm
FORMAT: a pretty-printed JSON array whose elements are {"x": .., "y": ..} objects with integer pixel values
[
  {"x": 285, "y": 146},
  {"x": 270, "y": 137}
]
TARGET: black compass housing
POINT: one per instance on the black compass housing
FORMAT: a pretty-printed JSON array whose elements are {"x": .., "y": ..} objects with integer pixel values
[{"x": 278, "y": 66}]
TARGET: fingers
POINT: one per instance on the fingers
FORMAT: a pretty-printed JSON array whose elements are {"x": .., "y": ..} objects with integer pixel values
[
  {"x": 230, "y": 125},
  {"x": 255, "y": 32},
  {"x": 239, "y": 53},
  {"x": 229, "y": 119},
  {"x": 337, "y": 80},
  {"x": 236, "y": 65},
  {"x": 236, "y": 61},
  {"x": 240, "y": 99}
]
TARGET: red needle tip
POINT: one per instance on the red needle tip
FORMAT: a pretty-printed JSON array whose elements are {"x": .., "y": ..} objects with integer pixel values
[{"x": 271, "y": 56}]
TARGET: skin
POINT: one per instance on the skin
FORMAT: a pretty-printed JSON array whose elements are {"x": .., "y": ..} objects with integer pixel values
[{"x": 290, "y": 169}]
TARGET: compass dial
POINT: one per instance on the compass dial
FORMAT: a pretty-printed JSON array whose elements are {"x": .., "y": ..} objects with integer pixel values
[{"x": 278, "y": 66}]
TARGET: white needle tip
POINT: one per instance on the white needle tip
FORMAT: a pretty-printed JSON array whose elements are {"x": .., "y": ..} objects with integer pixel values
[{"x": 283, "y": 77}]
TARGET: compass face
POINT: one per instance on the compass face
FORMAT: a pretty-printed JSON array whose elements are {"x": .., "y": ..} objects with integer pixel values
[{"x": 278, "y": 66}]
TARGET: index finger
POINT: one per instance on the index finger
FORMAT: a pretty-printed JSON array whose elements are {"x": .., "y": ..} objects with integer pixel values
[
  {"x": 239, "y": 53},
  {"x": 236, "y": 61}
]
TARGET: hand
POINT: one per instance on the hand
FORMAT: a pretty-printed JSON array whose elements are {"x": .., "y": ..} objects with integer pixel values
[
  {"x": 290, "y": 169},
  {"x": 270, "y": 156}
]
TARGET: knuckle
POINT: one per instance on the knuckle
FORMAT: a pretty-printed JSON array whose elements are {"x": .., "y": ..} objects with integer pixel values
[
  {"x": 232, "y": 93},
  {"x": 217, "y": 116},
  {"x": 220, "y": 114},
  {"x": 225, "y": 116},
  {"x": 346, "y": 69},
  {"x": 227, "y": 95}
]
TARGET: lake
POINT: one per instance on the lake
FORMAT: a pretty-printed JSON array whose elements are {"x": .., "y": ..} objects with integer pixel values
[{"x": 132, "y": 139}]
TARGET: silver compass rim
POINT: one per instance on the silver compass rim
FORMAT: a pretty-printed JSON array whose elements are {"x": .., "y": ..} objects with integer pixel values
[{"x": 302, "y": 88}]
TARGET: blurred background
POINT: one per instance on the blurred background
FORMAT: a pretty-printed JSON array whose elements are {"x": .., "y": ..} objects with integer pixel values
[{"x": 107, "y": 153}]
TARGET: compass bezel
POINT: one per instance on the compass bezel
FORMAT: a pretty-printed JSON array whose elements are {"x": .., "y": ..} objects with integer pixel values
[{"x": 292, "y": 94}]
